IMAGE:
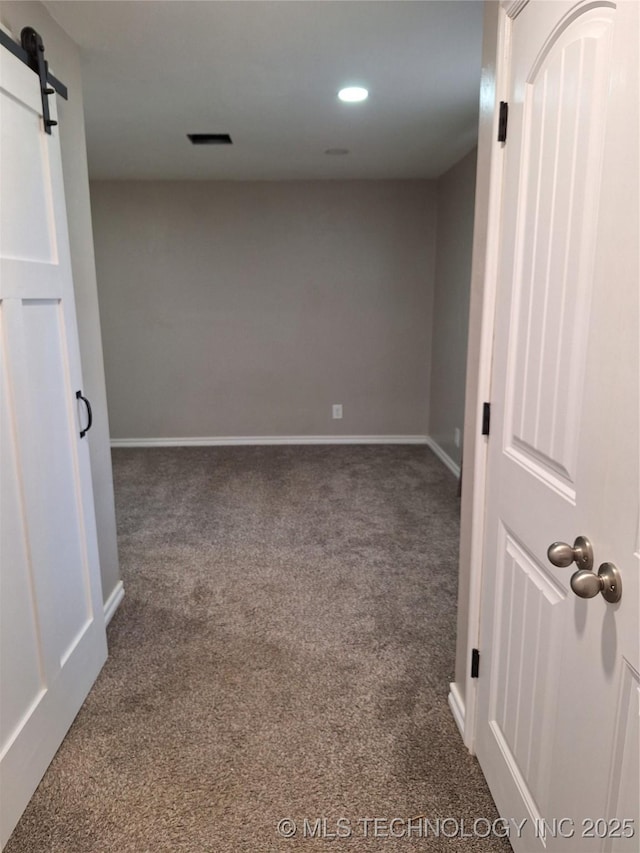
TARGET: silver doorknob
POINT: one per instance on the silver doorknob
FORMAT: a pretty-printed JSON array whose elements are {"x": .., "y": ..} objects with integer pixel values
[
  {"x": 562, "y": 555},
  {"x": 608, "y": 581}
]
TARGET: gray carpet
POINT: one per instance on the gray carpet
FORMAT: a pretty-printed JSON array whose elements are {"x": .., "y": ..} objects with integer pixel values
[{"x": 283, "y": 651}]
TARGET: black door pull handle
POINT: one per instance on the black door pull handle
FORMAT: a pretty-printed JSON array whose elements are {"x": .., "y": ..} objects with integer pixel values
[{"x": 80, "y": 396}]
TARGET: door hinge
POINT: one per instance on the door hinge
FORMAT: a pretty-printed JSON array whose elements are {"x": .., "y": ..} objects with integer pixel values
[
  {"x": 475, "y": 663},
  {"x": 503, "y": 117},
  {"x": 486, "y": 418}
]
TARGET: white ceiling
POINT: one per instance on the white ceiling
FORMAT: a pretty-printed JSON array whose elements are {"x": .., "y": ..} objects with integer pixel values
[{"x": 267, "y": 72}]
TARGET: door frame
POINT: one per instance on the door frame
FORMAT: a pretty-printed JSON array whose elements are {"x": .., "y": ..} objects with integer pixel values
[{"x": 484, "y": 274}]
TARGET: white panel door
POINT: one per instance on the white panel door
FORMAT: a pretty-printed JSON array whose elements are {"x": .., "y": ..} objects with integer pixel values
[
  {"x": 558, "y": 693},
  {"x": 52, "y": 634}
]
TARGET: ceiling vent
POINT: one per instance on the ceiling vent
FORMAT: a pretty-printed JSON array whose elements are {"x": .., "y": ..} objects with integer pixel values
[{"x": 210, "y": 138}]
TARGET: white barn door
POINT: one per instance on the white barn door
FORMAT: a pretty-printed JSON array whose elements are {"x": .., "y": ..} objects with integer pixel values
[
  {"x": 52, "y": 640},
  {"x": 559, "y": 681}
]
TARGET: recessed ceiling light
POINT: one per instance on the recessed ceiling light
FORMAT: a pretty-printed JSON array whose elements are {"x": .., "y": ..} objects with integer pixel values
[
  {"x": 353, "y": 94},
  {"x": 336, "y": 151}
]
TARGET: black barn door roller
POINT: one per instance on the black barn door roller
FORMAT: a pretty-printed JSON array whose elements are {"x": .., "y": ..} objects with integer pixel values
[{"x": 31, "y": 52}]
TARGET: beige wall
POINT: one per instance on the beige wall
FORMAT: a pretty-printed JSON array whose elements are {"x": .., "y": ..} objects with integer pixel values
[
  {"x": 63, "y": 58},
  {"x": 471, "y": 489},
  {"x": 455, "y": 195},
  {"x": 247, "y": 309}
]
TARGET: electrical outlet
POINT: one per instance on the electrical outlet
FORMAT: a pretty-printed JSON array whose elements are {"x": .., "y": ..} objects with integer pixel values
[
  {"x": 456, "y": 437},
  {"x": 336, "y": 411}
]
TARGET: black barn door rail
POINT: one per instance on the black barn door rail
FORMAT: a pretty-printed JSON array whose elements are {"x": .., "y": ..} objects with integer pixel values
[{"x": 31, "y": 52}]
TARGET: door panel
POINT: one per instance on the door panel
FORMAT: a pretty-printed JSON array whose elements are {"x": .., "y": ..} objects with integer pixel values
[
  {"x": 52, "y": 633},
  {"x": 26, "y": 182},
  {"x": 525, "y": 669},
  {"x": 556, "y": 694},
  {"x": 18, "y": 604},
  {"x": 562, "y": 142},
  {"x": 54, "y": 508},
  {"x": 624, "y": 787}
]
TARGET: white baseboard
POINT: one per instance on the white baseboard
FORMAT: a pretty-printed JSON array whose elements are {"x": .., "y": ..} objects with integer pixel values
[
  {"x": 231, "y": 440},
  {"x": 113, "y": 602},
  {"x": 269, "y": 439},
  {"x": 443, "y": 457},
  {"x": 456, "y": 703}
]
